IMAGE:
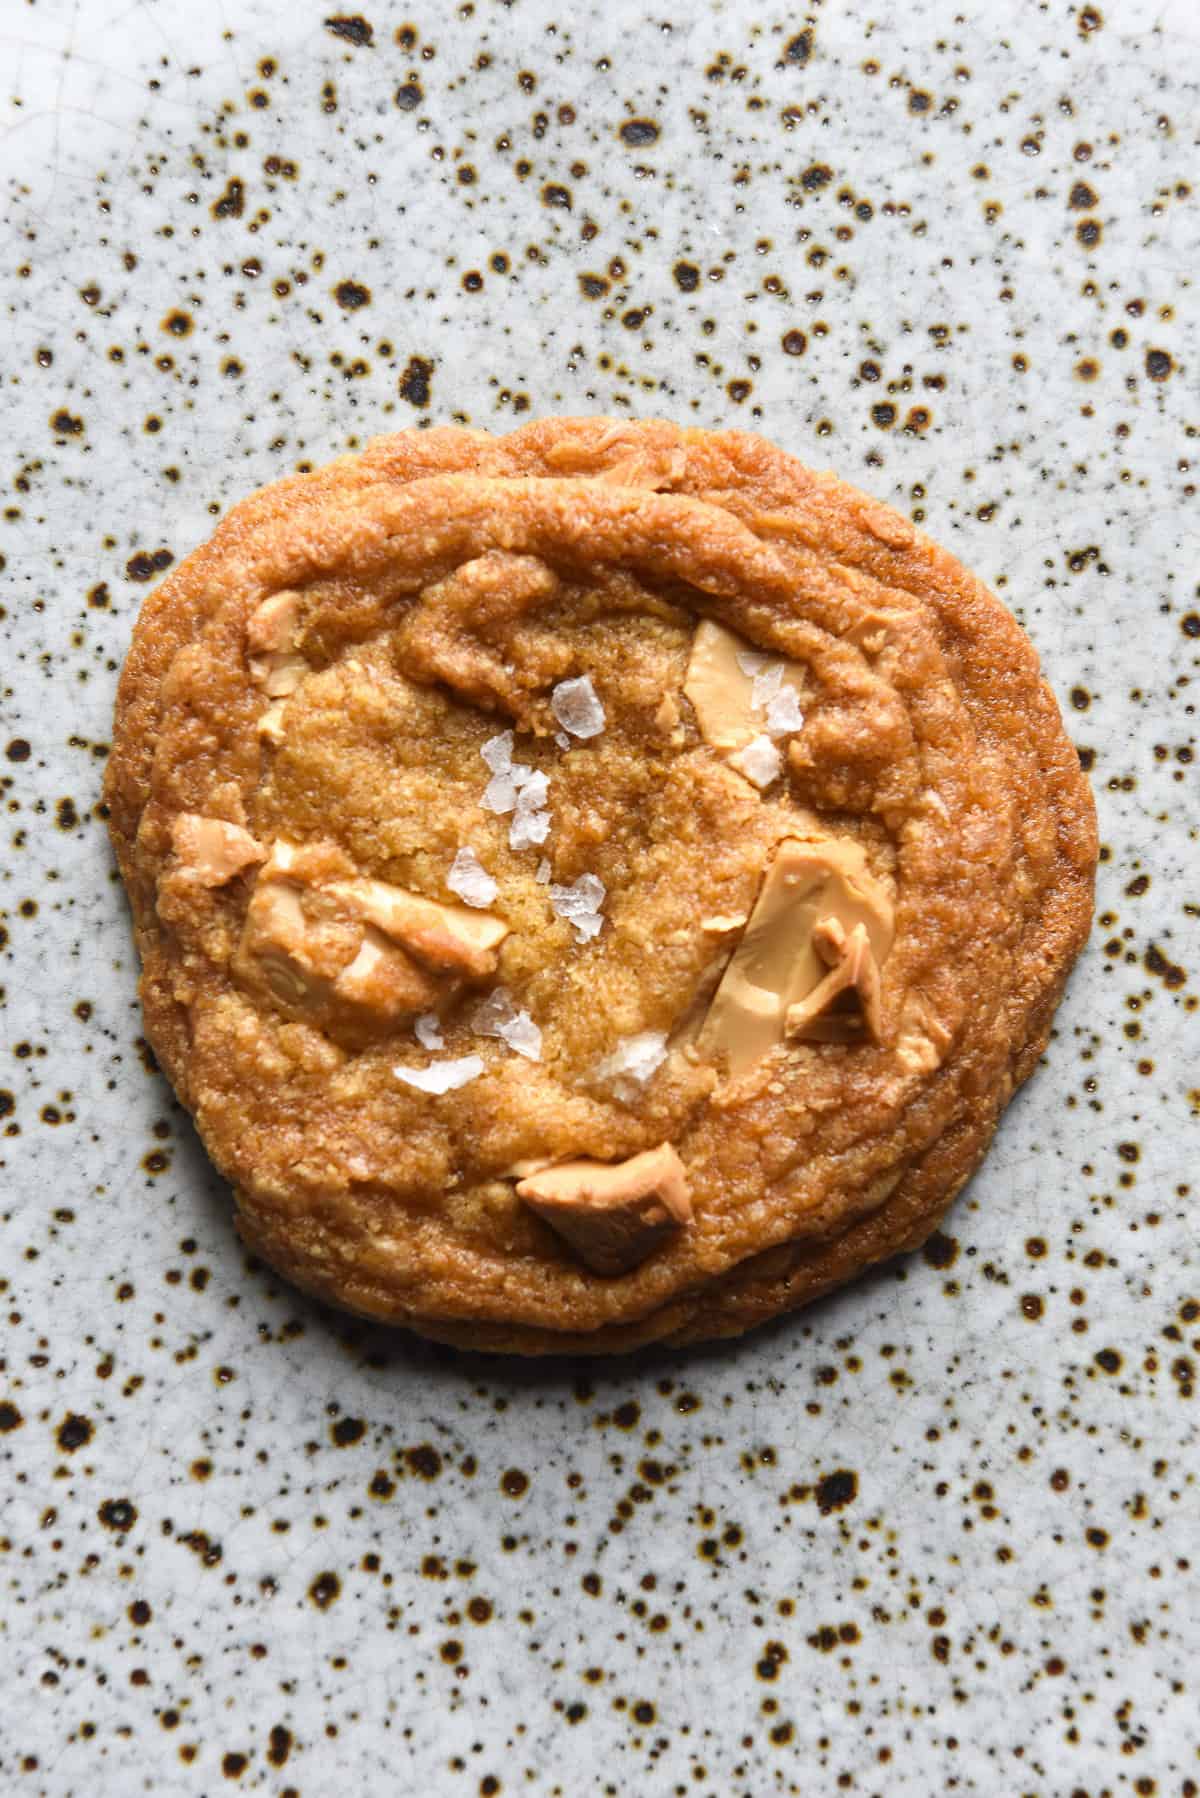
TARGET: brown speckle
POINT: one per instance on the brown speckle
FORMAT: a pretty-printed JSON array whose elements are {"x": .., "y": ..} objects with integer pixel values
[
  {"x": 325, "y": 1590},
  {"x": 74, "y": 1432},
  {"x": 353, "y": 28},
  {"x": 118, "y": 1514},
  {"x": 941, "y": 1251},
  {"x": 147, "y": 563},
  {"x": 348, "y": 1431},
  {"x": 416, "y": 381},
  {"x": 230, "y": 204},
  {"x": 279, "y": 1745},
  {"x": 423, "y": 1460},
  {"x": 351, "y": 295},
  {"x": 836, "y": 1490}
]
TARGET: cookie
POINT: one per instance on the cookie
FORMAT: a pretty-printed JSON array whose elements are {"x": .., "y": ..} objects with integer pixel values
[{"x": 594, "y": 886}]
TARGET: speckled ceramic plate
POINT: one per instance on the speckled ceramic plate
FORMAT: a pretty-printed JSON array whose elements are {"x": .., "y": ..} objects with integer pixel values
[{"x": 936, "y": 1534}]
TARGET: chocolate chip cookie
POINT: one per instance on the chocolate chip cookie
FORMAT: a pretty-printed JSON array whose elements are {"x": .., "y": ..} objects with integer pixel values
[{"x": 594, "y": 886}]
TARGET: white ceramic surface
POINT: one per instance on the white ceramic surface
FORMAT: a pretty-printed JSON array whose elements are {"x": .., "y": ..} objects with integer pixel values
[{"x": 939, "y": 1533}]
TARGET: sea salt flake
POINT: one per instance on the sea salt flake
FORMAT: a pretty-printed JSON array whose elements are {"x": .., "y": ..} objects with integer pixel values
[
  {"x": 428, "y": 1032},
  {"x": 497, "y": 752},
  {"x": 518, "y": 788},
  {"x": 534, "y": 786},
  {"x": 784, "y": 713},
  {"x": 580, "y": 905},
  {"x": 500, "y": 794},
  {"x": 523, "y": 1037},
  {"x": 528, "y": 830},
  {"x": 530, "y": 824},
  {"x": 498, "y": 1016},
  {"x": 752, "y": 661},
  {"x": 759, "y": 761},
  {"x": 767, "y": 683},
  {"x": 544, "y": 871},
  {"x": 634, "y": 1059},
  {"x": 471, "y": 880},
  {"x": 442, "y": 1076},
  {"x": 576, "y": 705},
  {"x": 562, "y": 740}
]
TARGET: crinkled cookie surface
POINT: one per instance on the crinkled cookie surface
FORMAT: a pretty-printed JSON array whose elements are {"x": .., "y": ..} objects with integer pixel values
[{"x": 594, "y": 886}]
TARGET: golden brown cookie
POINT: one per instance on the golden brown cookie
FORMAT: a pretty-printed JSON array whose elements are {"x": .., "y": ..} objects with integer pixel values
[{"x": 594, "y": 886}]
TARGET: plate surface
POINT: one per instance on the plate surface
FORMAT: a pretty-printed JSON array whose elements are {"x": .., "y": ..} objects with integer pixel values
[{"x": 939, "y": 1532}]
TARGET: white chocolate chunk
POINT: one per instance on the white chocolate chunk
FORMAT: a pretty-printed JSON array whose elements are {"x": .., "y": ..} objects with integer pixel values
[
  {"x": 270, "y": 723},
  {"x": 733, "y": 689},
  {"x": 443, "y": 936},
  {"x": 271, "y": 631},
  {"x": 271, "y": 627},
  {"x": 613, "y": 1214},
  {"x": 813, "y": 898},
  {"x": 212, "y": 850}
]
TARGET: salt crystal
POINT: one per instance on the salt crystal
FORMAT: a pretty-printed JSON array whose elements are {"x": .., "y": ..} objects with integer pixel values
[
  {"x": 576, "y": 705},
  {"x": 500, "y": 794},
  {"x": 514, "y": 787},
  {"x": 752, "y": 661},
  {"x": 523, "y": 1037},
  {"x": 497, "y": 752},
  {"x": 528, "y": 830},
  {"x": 580, "y": 904},
  {"x": 759, "y": 761},
  {"x": 783, "y": 712},
  {"x": 534, "y": 787},
  {"x": 498, "y": 1016},
  {"x": 544, "y": 872},
  {"x": 531, "y": 824},
  {"x": 767, "y": 683},
  {"x": 562, "y": 740},
  {"x": 442, "y": 1076},
  {"x": 471, "y": 880},
  {"x": 634, "y": 1059},
  {"x": 427, "y": 1030}
]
